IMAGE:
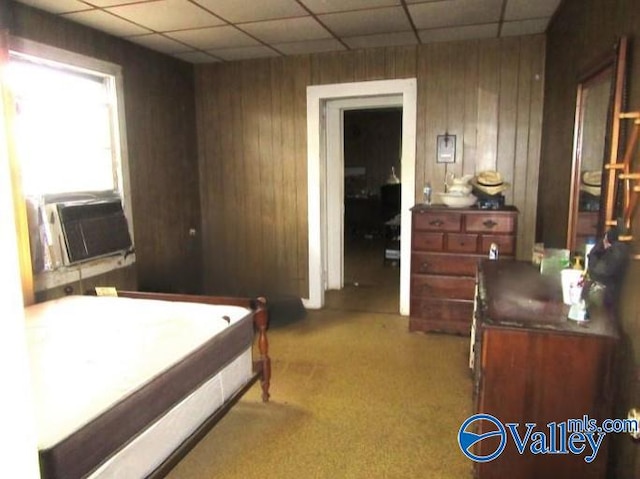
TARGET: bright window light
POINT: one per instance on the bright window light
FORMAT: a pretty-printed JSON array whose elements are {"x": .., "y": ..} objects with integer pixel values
[{"x": 65, "y": 129}]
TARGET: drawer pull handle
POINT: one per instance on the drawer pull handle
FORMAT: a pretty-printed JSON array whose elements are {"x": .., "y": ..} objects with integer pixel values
[
  {"x": 436, "y": 222},
  {"x": 489, "y": 223},
  {"x": 424, "y": 266}
]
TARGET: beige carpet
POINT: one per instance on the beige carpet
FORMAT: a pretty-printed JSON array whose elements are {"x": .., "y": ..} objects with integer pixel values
[{"x": 354, "y": 395}]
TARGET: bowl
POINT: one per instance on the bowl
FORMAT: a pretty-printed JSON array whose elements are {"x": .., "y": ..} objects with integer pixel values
[{"x": 457, "y": 200}]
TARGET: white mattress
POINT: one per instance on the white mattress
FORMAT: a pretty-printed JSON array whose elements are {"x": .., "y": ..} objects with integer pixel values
[
  {"x": 148, "y": 450},
  {"x": 81, "y": 365}
]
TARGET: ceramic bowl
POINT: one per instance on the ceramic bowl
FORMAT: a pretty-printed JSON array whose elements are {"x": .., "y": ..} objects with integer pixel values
[{"x": 457, "y": 200}]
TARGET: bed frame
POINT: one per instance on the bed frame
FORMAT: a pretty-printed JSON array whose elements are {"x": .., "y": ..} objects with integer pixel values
[{"x": 261, "y": 367}]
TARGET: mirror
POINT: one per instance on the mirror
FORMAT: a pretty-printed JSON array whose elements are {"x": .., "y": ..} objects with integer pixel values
[{"x": 596, "y": 135}]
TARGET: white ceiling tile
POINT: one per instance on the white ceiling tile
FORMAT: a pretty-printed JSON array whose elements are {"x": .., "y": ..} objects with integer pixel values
[
  {"x": 289, "y": 30},
  {"x": 167, "y": 15},
  {"x": 57, "y": 6},
  {"x": 524, "y": 9},
  {"x": 381, "y": 40},
  {"x": 225, "y": 36},
  {"x": 106, "y": 22},
  {"x": 314, "y": 46},
  {"x": 196, "y": 57},
  {"x": 244, "y": 53},
  {"x": 367, "y": 22},
  {"x": 455, "y": 13},
  {"x": 328, "y": 6},
  {"x": 524, "y": 27},
  {"x": 238, "y": 11},
  {"x": 455, "y": 34},
  {"x": 158, "y": 42},
  {"x": 111, "y": 3}
]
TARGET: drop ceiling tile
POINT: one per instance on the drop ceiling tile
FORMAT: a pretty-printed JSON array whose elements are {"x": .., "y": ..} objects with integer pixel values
[
  {"x": 329, "y": 6},
  {"x": 158, "y": 42},
  {"x": 167, "y": 15},
  {"x": 196, "y": 57},
  {"x": 524, "y": 27},
  {"x": 239, "y": 11},
  {"x": 110, "y": 3},
  {"x": 455, "y": 13},
  {"x": 314, "y": 46},
  {"x": 381, "y": 40},
  {"x": 57, "y": 6},
  {"x": 287, "y": 30},
  {"x": 527, "y": 9},
  {"x": 244, "y": 53},
  {"x": 455, "y": 34},
  {"x": 106, "y": 22},
  {"x": 367, "y": 22},
  {"x": 225, "y": 36}
]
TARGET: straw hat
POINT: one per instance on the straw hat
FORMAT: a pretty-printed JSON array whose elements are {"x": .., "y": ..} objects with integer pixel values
[
  {"x": 592, "y": 177},
  {"x": 490, "y": 182},
  {"x": 489, "y": 178}
]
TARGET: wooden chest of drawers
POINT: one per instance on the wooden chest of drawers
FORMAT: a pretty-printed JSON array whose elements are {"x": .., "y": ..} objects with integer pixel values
[{"x": 446, "y": 245}]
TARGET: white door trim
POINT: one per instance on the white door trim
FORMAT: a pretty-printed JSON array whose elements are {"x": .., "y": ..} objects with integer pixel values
[{"x": 317, "y": 97}]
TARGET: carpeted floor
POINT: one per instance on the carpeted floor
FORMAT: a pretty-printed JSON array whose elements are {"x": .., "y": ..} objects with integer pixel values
[{"x": 354, "y": 395}]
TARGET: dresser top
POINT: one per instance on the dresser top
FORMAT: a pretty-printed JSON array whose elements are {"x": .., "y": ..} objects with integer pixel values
[
  {"x": 421, "y": 207},
  {"x": 514, "y": 294}
]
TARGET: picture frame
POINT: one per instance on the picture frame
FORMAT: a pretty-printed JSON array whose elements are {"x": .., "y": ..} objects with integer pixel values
[{"x": 446, "y": 148}]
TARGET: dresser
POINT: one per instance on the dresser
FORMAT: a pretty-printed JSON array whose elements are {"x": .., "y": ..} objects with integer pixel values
[
  {"x": 533, "y": 365},
  {"x": 446, "y": 245}
]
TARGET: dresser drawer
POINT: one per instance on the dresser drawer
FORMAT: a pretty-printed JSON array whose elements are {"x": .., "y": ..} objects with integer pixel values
[
  {"x": 455, "y": 265},
  {"x": 490, "y": 223},
  {"x": 440, "y": 315},
  {"x": 437, "y": 221},
  {"x": 506, "y": 244},
  {"x": 461, "y": 243},
  {"x": 422, "y": 241},
  {"x": 450, "y": 287}
]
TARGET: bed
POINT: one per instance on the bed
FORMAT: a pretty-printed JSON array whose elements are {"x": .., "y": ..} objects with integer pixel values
[{"x": 125, "y": 385}]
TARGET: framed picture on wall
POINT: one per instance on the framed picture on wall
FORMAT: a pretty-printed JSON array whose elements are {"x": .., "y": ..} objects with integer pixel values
[{"x": 446, "y": 148}]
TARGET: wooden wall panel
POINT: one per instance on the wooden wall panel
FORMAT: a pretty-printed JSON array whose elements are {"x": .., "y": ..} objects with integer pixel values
[
  {"x": 159, "y": 109},
  {"x": 582, "y": 31},
  {"x": 481, "y": 91}
]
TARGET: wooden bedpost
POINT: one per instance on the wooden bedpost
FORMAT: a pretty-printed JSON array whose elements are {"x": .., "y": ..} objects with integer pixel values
[{"x": 261, "y": 320}]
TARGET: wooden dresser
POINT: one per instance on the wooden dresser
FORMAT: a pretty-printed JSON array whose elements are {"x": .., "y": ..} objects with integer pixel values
[
  {"x": 533, "y": 365},
  {"x": 446, "y": 244}
]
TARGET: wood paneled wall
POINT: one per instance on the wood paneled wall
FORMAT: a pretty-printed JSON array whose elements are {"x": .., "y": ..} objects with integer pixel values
[
  {"x": 251, "y": 120},
  {"x": 581, "y": 33},
  {"x": 160, "y": 118}
]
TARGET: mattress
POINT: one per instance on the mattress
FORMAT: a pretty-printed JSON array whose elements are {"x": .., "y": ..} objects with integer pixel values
[{"x": 104, "y": 369}]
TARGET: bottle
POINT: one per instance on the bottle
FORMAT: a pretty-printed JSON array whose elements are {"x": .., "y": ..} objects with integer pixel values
[
  {"x": 427, "y": 193},
  {"x": 493, "y": 251}
]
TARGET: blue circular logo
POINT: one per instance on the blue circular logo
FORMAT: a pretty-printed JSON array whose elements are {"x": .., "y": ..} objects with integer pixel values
[{"x": 466, "y": 439}]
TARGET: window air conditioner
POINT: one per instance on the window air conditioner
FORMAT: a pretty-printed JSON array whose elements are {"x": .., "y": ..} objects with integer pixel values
[{"x": 85, "y": 230}]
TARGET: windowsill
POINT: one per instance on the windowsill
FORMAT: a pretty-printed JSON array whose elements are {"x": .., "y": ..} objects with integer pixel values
[{"x": 70, "y": 274}]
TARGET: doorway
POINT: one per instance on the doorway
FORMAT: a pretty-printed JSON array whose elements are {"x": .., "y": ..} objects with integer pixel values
[
  {"x": 371, "y": 149},
  {"x": 325, "y": 210}
]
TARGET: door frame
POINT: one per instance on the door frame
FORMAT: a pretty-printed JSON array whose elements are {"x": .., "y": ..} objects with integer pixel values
[{"x": 317, "y": 175}]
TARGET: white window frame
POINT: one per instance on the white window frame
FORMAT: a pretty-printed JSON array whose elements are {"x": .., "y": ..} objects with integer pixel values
[{"x": 72, "y": 273}]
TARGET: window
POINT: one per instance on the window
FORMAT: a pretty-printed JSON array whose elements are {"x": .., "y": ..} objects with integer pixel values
[{"x": 71, "y": 147}]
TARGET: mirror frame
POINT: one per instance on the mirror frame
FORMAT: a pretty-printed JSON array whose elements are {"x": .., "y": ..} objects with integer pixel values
[{"x": 614, "y": 63}]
